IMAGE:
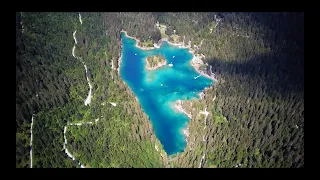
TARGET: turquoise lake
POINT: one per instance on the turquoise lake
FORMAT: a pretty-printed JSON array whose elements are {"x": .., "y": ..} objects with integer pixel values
[{"x": 157, "y": 90}]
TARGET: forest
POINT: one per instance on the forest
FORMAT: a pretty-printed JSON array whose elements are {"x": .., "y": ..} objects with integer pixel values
[
  {"x": 256, "y": 108},
  {"x": 153, "y": 62}
]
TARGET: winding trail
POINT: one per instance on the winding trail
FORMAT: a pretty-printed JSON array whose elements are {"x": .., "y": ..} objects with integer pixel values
[
  {"x": 80, "y": 18},
  {"x": 204, "y": 138},
  {"x": 88, "y": 99},
  {"x": 206, "y": 113},
  {"x": 87, "y": 102},
  {"x": 73, "y": 51},
  {"x": 66, "y": 142},
  {"x": 217, "y": 20},
  {"x": 204, "y": 155},
  {"x": 65, "y": 148},
  {"x": 21, "y": 22},
  {"x": 31, "y": 142},
  {"x": 74, "y": 36}
]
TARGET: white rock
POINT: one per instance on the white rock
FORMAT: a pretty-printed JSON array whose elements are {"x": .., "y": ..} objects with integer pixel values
[{"x": 113, "y": 104}]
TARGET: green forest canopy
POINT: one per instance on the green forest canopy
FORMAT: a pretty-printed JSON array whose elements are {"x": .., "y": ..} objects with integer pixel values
[{"x": 256, "y": 119}]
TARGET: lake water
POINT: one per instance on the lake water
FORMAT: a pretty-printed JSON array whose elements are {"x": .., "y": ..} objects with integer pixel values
[{"x": 157, "y": 90}]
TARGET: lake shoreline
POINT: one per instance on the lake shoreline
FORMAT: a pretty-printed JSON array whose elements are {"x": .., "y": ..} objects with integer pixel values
[
  {"x": 155, "y": 46},
  {"x": 196, "y": 62},
  {"x": 196, "y": 57}
]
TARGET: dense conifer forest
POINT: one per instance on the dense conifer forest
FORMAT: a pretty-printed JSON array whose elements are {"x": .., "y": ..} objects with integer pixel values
[{"x": 256, "y": 109}]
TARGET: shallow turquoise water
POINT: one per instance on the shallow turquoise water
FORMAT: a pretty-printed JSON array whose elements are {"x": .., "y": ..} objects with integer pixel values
[{"x": 178, "y": 83}]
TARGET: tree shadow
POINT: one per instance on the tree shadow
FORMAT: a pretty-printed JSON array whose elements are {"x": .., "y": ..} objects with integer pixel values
[
  {"x": 279, "y": 73},
  {"x": 281, "y": 70}
]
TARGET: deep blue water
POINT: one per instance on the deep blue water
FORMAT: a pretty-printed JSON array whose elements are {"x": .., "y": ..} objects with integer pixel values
[{"x": 178, "y": 83}]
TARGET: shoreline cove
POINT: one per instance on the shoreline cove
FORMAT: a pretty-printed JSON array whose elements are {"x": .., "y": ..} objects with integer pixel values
[{"x": 194, "y": 62}]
